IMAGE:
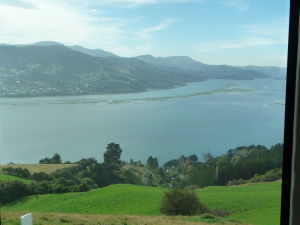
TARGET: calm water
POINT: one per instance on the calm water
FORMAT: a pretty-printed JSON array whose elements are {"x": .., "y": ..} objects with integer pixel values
[{"x": 212, "y": 116}]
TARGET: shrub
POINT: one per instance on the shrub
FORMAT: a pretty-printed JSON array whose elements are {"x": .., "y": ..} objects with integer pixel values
[
  {"x": 271, "y": 175},
  {"x": 19, "y": 172},
  {"x": 89, "y": 182},
  {"x": 181, "y": 202},
  {"x": 11, "y": 190},
  {"x": 40, "y": 176},
  {"x": 236, "y": 182}
]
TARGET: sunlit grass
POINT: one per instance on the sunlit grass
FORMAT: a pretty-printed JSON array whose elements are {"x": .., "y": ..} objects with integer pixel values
[
  {"x": 257, "y": 204},
  {"x": 6, "y": 177}
]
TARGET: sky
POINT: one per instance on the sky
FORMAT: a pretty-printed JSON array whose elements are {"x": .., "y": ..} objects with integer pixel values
[{"x": 233, "y": 32}]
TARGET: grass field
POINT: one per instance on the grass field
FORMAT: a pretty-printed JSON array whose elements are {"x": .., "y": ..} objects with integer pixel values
[
  {"x": 257, "y": 204},
  {"x": 7, "y": 177},
  {"x": 34, "y": 168},
  {"x": 81, "y": 219}
]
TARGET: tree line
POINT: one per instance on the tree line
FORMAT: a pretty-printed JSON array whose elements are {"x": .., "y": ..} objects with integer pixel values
[{"x": 242, "y": 164}]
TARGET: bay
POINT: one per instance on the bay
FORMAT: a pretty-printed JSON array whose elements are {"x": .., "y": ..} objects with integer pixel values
[{"x": 211, "y": 116}]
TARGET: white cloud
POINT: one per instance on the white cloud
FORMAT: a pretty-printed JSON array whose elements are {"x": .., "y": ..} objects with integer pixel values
[
  {"x": 241, "y": 5},
  {"x": 17, "y": 3},
  {"x": 146, "y": 32},
  {"x": 57, "y": 21},
  {"x": 274, "y": 32},
  {"x": 71, "y": 24}
]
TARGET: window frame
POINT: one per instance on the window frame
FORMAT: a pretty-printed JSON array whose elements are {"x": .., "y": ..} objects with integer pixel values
[{"x": 290, "y": 188}]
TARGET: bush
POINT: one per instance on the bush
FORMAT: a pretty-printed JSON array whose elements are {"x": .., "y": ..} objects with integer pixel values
[
  {"x": 236, "y": 182},
  {"x": 19, "y": 172},
  {"x": 11, "y": 190},
  {"x": 90, "y": 183},
  {"x": 271, "y": 175},
  {"x": 181, "y": 202},
  {"x": 40, "y": 176}
]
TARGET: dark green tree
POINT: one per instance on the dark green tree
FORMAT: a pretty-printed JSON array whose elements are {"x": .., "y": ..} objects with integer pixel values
[
  {"x": 152, "y": 163},
  {"x": 56, "y": 159},
  {"x": 112, "y": 154},
  {"x": 193, "y": 158}
]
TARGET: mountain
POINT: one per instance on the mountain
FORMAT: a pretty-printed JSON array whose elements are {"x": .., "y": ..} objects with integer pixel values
[
  {"x": 42, "y": 70},
  {"x": 181, "y": 62},
  {"x": 211, "y": 71},
  {"x": 92, "y": 52},
  {"x": 51, "y": 68},
  {"x": 46, "y": 43},
  {"x": 272, "y": 71}
]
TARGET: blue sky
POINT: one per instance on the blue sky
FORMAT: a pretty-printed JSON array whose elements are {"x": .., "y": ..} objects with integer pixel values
[{"x": 234, "y": 32}]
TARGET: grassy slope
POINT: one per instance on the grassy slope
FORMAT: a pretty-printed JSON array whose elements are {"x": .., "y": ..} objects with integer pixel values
[
  {"x": 7, "y": 177},
  {"x": 254, "y": 204},
  {"x": 34, "y": 168}
]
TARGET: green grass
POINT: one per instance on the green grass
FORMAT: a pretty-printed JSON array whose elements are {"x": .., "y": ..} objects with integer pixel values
[
  {"x": 115, "y": 199},
  {"x": 257, "y": 204},
  {"x": 6, "y": 177}
]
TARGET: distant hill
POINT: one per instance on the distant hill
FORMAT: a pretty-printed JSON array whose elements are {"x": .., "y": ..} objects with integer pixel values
[
  {"x": 272, "y": 71},
  {"x": 51, "y": 68},
  {"x": 92, "y": 52},
  {"x": 181, "y": 62},
  {"x": 45, "y": 43},
  {"x": 210, "y": 71}
]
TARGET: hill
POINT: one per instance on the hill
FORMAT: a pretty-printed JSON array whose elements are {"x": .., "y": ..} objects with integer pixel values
[
  {"x": 209, "y": 71},
  {"x": 257, "y": 204},
  {"x": 6, "y": 177},
  {"x": 272, "y": 71},
  {"x": 50, "y": 68},
  {"x": 35, "y": 168},
  {"x": 92, "y": 52}
]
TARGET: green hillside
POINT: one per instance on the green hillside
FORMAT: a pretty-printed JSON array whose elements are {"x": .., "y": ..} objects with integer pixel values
[
  {"x": 7, "y": 177},
  {"x": 254, "y": 203}
]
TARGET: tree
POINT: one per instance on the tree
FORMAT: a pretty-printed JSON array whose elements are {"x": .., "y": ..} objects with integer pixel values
[
  {"x": 112, "y": 154},
  {"x": 152, "y": 163},
  {"x": 193, "y": 158},
  {"x": 11, "y": 190},
  {"x": 84, "y": 163},
  {"x": 39, "y": 176},
  {"x": 172, "y": 163},
  {"x": 56, "y": 159},
  {"x": 181, "y": 202}
]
